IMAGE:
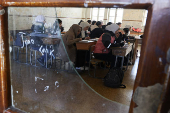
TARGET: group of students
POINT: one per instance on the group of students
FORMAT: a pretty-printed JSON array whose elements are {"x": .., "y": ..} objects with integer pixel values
[{"x": 109, "y": 35}]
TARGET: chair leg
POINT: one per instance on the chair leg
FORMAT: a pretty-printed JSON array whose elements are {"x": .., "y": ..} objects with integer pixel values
[
  {"x": 13, "y": 53},
  {"x": 95, "y": 71},
  {"x": 30, "y": 57},
  {"x": 35, "y": 59}
]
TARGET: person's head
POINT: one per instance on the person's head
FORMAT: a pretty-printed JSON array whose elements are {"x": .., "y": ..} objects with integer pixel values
[
  {"x": 60, "y": 22},
  {"x": 80, "y": 22},
  {"x": 129, "y": 27},
  {"x": 40, "y": 19},
  {"x": 109, "y": 23},
  {"x": 99, "y": 24},
  {"x": 76, "y": 29},
  {"x": 119, "y": 24},
  {"x": 93, "y": 22},
  {"x": 114, "y": 28},
  {"x": 84, "y": 25},
  {"x": 89, "y": 21}
]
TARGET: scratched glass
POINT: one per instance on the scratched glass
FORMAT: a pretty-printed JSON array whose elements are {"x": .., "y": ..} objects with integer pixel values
[{"x": 43, "y": 78}]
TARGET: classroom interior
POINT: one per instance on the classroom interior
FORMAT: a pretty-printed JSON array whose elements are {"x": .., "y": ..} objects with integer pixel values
[{"x": 62, "y": 87}]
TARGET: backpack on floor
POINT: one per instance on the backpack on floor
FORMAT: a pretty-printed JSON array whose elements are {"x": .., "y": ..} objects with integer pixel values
[{"x": 114, "y": 78}]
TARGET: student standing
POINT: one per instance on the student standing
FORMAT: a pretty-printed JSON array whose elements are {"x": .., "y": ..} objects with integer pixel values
[{"x": 84, "y": 26}]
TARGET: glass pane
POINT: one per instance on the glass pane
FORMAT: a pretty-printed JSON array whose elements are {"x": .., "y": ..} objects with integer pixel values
[
  {"x": 47, "y": 67},
  {"x": 118, "y": 19},
  {"x": 120, "y": 12},
  {"x": 95, "y": 11},
  {"x": 146, "y": 13},
  {"x": 144, "y": 22},
  {"x": 112, "y": 12},
  {"x": 101, "y": 18},
  {"x": 94, "y": 18},
  {"x": 101, "y": 12},
  {"x": 111, "y": 19}
]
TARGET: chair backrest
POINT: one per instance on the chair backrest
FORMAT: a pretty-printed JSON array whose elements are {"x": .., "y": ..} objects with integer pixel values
[{"x": 91, "y": 52}]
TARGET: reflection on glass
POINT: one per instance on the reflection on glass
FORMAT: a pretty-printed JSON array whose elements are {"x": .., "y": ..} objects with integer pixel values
[{"x": 44, "y": 78}]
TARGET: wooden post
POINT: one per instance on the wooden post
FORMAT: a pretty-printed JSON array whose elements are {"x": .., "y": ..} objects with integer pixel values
[
  {"x": 5, "y": 88},
  {"x": 155, "y": 44}
]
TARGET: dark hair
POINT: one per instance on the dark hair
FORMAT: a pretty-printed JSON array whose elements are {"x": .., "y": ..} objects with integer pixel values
[
  {"x": 89, "y": 21},
  {"x": 80, "y": 22},
  {"x": 93, "y": 22},
  {"x": 98, "y": 23},
  {"x": 59, "y": 21},
  {"x": 118, "y": 23},
  {"x": 109, "y": 23}
]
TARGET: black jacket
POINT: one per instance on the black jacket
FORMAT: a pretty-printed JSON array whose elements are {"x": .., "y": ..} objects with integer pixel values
[{"x": 97, "y": 32}]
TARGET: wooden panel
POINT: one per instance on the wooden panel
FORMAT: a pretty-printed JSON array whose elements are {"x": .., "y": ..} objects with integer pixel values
[
  {"x": 154, "y": 47},
  {"x": 5, "y": 92},
  {"x": 79, "y": 3}
]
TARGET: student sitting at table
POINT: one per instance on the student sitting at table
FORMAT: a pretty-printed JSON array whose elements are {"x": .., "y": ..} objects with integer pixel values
[
  {"x": 37, "y": 44},
  {"x": 70, "y": 39},
  {"x": 127, "y": 30},
  {"x": 80, "y": 22},
  {"x": 93, "y": 25},
  {"x": 119, "y": 24},
  {"x": 89, "y": 21},
  {"x": 110, "y": 38},
  {"x": 60, "y": 25},
  {"x": 84, "y": 26}
]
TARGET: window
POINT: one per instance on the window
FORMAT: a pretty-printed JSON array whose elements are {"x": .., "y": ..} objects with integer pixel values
[
  {"x": 98, "y": 14},
  {"x": 119, "y": 15},
  {"x": 115, "y": 15},
  {"x": 145, "y": 17},
  {"x": 112, "y": 15}
]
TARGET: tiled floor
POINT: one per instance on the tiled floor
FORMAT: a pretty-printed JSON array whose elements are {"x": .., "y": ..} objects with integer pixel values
[{"x": 41, "y": 90}]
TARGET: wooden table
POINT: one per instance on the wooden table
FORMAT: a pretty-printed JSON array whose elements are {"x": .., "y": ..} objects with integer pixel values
[
  {"x": 137, "y": 40},
  {"x": 85, "y": 45},
  {"x": 122, "y": 52},
  {"x": 136, "y": 33}
]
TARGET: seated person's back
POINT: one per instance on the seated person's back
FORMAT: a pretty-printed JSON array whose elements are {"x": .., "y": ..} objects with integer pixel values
[{"x": 96, "y": 33}]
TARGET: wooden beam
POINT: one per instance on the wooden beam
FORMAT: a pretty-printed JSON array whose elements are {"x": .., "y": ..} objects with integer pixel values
[
  {"x": 5, "y": 90},
  {"x": 77, "y": 3}
]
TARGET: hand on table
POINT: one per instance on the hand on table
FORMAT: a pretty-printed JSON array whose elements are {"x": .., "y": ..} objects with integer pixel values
[
  {"x": 87, "y": 38},
  {"x": 80, "y": 39}
]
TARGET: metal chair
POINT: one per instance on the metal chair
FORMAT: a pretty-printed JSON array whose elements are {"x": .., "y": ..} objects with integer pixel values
[
  {"x": 18, "y": 47},
  {"x": 93, "y": 60}
]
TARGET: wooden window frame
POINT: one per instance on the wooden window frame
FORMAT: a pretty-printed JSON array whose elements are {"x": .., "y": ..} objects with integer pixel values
[{"x": 153, "y": 44}]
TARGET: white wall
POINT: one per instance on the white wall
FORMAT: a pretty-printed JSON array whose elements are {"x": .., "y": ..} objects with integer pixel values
[
  {"x": 23, "y": 17},
  {"x": 74, "y": 15},
  {"x": 134, "y": 18},
  {"x": 69, "y": 16}
]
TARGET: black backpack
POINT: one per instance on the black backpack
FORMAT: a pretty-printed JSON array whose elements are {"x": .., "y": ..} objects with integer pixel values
[{"x": 114, "y": 78}]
